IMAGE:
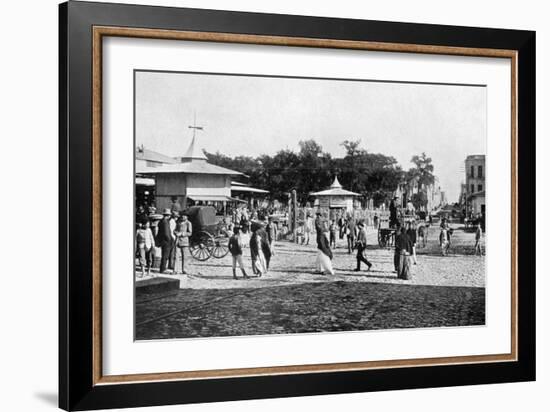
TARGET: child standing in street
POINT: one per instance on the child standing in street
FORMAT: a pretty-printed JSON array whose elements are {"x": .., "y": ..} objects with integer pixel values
[
  {"x": 145, "y": 246},
  {"x": 236, "y": 248}
]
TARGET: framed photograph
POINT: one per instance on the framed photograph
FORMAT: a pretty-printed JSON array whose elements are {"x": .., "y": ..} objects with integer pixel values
[{"x": 257, "y": 206}]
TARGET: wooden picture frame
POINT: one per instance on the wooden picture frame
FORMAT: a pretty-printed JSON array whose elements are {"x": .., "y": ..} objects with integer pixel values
[{"x": 82, "y": 385}]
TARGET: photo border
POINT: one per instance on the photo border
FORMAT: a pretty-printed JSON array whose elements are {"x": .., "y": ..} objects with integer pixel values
[{"x": 82, "y": 27}]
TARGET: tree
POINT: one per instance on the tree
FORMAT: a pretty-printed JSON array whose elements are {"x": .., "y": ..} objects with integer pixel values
[
  {"x": 421, "y": 175},
  {"x": 423, "y": 170},
  {"x": 374, "y": 175}
]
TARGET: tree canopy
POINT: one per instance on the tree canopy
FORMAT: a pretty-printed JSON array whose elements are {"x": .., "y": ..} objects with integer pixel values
[{"x": 310, "y": 169}]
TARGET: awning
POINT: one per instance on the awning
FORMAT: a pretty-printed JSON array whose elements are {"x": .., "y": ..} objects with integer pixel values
[
  {"x": 214, "y": 198},
  {"x": 247, "y": 189},
  {"x": 234, "y": 199},
  {"x": 209, "y": 198},
  {"x": 145, "y": 181}
]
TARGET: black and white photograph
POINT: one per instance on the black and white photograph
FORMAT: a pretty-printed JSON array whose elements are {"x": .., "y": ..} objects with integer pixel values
[{"x": 282, "y": 205}]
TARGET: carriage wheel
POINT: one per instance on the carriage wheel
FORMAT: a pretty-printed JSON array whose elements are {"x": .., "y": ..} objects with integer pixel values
[
  {"x": 220, "y": 248},
  {"x": 381, "y": 239},
  {"x": 201, "y": 248}
]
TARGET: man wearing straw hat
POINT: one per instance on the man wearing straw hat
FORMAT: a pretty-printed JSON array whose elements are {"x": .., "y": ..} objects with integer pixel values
[{"x": 165, "y": 239}]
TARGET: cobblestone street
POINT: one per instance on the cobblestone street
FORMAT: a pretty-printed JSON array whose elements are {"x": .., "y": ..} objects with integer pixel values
[{"x": 291, "y": 298}]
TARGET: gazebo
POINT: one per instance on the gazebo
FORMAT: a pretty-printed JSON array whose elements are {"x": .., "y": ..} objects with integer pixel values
[{"x": 335, "y": 197}]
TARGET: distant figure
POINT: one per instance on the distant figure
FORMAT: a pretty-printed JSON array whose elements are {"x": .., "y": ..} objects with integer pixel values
[
  {"x": 324, "y": 254},
  {"x": 342, "y": 225},
  {"x": 479, "y": 233},
  {"x": 175, "y": 207},
  {"x": 444, "y": 243},
  {"x": 332, "y": 230},
  {"x": 449, "y": 232},
  {"x": 145, "y": 246},
  {"x": 308, "y": 229},
  {"x": 410, "y": 208},
  {"x": 271, "y": 234},
  {"x": 393, "y": 213},
  {"x": 411, "y": 233},
  {"x": 403, "y": 250},
  {"x": 423, "y": 234},
  {"x": 362, "y": 247},
  {"x": 350, "y": 233},
  {"x": 244, "y": 223},
  {"x": 236, "y": 248},
  {"x": 376, "y": 221}
]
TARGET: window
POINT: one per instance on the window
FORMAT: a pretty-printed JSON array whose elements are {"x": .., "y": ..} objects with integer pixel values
[
  {"x": 472, "y": 171},
  {"x": 480, "y": 172},
  {"x": 479, "y": 188},
  {"x": 471, "y": 188}
]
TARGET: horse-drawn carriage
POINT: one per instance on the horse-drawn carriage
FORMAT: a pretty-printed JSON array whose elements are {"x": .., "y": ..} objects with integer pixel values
[{"x": 209, "y": 237}]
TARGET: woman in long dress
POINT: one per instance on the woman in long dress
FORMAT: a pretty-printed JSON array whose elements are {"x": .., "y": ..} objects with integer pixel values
[
  {"x": 258, "y": 259},
  {"x": 403, "y": 251},
  {"x": 324, "y": 254}
]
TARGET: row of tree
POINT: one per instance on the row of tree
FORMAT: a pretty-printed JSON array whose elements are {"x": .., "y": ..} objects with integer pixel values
[{"x": 374, "y": 175}]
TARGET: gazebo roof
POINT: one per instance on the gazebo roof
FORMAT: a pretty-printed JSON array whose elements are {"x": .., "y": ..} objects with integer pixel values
[{"x": 335, "y": 190}]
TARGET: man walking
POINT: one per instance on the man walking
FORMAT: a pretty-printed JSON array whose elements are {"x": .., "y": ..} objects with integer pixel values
[{"x": 361, "y": 247}]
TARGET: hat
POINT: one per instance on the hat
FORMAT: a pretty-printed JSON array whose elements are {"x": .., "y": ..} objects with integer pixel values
[
  {"x": 318, "y": 213},
  {"x": 167, "y": 212}
]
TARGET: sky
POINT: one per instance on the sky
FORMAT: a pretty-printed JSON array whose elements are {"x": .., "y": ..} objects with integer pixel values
[{"x": 252, "y": 115}]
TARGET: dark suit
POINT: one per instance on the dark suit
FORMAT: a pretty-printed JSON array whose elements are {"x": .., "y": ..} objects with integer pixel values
[{"x": 165, "y": 241}]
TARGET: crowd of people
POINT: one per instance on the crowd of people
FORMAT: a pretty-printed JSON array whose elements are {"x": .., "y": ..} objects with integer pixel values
[
  {"x": 257, "y": 231},
  {"x": 171, "y": 235}
]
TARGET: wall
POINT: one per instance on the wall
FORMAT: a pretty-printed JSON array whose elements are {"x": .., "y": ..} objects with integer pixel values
[
  {"x": 28, "y": 305},
  {"x": 475, "y": 179}
]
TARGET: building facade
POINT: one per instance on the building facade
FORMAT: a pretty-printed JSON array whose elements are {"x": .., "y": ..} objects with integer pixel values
[
  {"x": 190, "y": 180},
  {"x": 475, "y": 184}
]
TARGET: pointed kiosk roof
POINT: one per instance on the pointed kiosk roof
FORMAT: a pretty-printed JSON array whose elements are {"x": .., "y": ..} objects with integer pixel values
[
  {"x": 193, "y": 152},
  {"x": 335, "y": 190}
]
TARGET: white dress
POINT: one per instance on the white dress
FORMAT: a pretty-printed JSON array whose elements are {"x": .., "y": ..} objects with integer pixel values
[{"x": 324, "y": 264}]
